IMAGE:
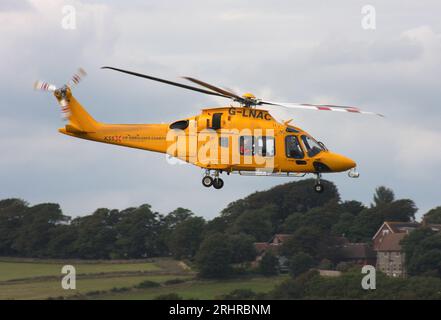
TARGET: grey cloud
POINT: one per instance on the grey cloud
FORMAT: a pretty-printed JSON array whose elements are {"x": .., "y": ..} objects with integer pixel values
[{"x": 306, "y": 51}]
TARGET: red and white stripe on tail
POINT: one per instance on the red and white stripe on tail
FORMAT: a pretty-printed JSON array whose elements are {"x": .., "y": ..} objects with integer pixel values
[{"x": 65, "y": 109}]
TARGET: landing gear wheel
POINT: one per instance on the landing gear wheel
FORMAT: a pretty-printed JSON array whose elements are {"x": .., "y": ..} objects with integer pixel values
[
  {"x": 207, "y": 181},
  {"x": 319, "y": 188},
  {"x": 218, "y": 183}
]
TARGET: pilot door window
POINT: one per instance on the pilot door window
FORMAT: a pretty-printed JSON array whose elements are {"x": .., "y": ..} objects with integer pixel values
[
  {"x": 293, "y": 149},
  {"x": 312, "y": 147}
]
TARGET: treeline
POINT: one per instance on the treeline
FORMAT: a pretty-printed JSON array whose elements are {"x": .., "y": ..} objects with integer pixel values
[
  {"x": 311, "y": 286},
  {"x": 224, "y": 245},
  {"x": 42, "y": 231}
]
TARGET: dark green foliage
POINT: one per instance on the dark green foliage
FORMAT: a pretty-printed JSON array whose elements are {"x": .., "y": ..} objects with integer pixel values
[
  {"x": 120, "y": 289},
  {"x": 423, "y": 252},
  {"x": 240, "y": 294},
  {"x": 269, "y": 265},
  {"x": 310, "y": 239},
  {"x": 348, "y": 286},
  {"x": 11, "y": 215},
  {"x": 286, "y": 199},
  {"x": 97, "y": 234},
  {"x": 218, "y": 225},
  {"x": 214, "y": 257},
  {"x": 242, "y": 248},
  {"x": 35, "y": 228},
  {"x": 352, "y": 207},
  {"x": 174, "y": 281},
  {"x": 255, "y": 222},
  {"x": 325, "y": 264},
  {"x": 383, "y": 196},
  {"x": 322, "y": 218},
  {"x": 147, "y": 284},
  {"x": 168, "y": 296},
  {"x": 186, "y": 237},
  {"x": 176, "y": 217},
  {"x": 43, "y": 231},
  {"x": 361, "y": 227},
  {"x": 343, "y": 266},
  {"x": 300, "y": 263},
  {"x": 137, "y": 232},
  {"x": 433, "y": 216},
  {"x": 61, "y": 244}
]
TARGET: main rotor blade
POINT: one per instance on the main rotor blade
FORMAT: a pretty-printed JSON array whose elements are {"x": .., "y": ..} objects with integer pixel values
[
  {"x": 318, "y": 107},
  {"x": 214, "y": 88},
  {"x": 168, "y": 82}
]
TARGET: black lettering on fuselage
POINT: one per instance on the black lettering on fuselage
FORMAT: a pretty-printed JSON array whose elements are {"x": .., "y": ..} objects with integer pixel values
[{"x": 250, "y": 113}]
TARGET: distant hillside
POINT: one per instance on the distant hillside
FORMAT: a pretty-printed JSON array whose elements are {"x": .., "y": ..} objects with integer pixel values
[{"x": 296, "y": 196}]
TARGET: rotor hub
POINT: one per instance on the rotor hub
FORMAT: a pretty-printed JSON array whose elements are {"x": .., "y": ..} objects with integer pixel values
[{"x": 249, "y": 96}]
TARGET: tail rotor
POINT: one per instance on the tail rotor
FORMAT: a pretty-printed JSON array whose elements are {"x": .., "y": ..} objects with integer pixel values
[
  {"x": 77, "y": 77},
  {"x": 44, "y": 86},
  {"x": 62, "y": 94}
]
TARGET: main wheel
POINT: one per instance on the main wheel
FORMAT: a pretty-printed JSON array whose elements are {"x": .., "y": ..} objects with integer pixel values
[
  {"x": 207, "y": 181},
  {"x": 319, "y": 188},
  {"x": 218, "y": 183}
]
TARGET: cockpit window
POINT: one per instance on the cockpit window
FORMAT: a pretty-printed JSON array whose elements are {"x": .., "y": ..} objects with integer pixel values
[
  {"x": 293, "y": 149},
  {"x": 292, "y": 129},
  {"x": 312, "y": 147},
  {"x": 181, "y": 124}
]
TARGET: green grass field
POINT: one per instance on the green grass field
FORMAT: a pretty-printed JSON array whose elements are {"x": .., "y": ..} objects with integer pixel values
[
  {"x": 45, "y": 289},
  {"x": 202, "y": 290},
  {"x": 39, "y": 279},
  {"x": 20, "y": 270}
]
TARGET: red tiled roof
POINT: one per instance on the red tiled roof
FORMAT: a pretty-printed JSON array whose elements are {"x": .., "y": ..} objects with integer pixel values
[
  {"x": 397, "y": 227},
  {"x": 391, "y": 242},
  {"x": 402, "y": 226},
  {"x": 357, "y": 251},
  {"x": 281, "y": 236},
  {"x": 261, "y": 246}
]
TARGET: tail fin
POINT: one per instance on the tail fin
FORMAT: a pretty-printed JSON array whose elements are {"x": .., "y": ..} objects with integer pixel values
[{"x": 79, "y": 119}]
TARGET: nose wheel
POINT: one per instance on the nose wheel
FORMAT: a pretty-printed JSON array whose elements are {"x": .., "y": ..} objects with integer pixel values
[
  {"x": 215, "y": 181},
  {"x": 318, "y": 187}
]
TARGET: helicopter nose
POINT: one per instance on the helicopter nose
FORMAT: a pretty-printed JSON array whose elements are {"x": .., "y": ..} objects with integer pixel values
[{"x": 337, "y": 162}]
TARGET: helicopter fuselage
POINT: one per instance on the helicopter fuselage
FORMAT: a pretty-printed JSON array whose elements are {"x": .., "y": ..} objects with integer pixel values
[{"x": 226, "y": 139}]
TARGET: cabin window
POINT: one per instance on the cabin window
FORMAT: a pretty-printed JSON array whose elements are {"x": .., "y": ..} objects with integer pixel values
[
  {"x": 265, "y": 146},
  {"x": 312, "y": 147},
  {"x": 182, "y": 125},
  {"x": 292, "y": 147},
  {"x": 246, "y": 145},
  {"x": 216, "y": 122},
  {"x": 223, "y": 142}
]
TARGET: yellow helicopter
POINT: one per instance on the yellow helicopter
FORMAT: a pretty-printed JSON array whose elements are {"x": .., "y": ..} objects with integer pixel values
[{"x": 243, "y": 139}]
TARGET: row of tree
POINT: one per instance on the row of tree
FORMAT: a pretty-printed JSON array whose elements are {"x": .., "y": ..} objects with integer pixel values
[
  {"x": 43, "y": 231},
  {"x": 224, "y": 244}
]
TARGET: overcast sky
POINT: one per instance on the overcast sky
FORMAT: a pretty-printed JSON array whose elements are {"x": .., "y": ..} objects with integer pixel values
[{"x": 299, "y": 51}]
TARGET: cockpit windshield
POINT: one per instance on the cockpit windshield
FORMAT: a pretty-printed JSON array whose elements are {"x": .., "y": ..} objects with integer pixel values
[{"x": 312, "y": 147}]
